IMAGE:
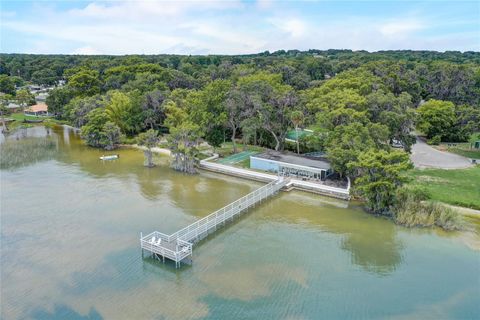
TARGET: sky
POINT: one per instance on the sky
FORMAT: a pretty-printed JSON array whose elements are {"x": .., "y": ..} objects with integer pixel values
[{"x": 235, "y": 26}]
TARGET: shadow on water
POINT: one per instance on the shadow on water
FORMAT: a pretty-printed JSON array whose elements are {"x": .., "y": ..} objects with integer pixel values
[
  {"x": 371, "y": 241},
  {"x": 152, "y": 262},
  {"x": 155, "y": 265}
]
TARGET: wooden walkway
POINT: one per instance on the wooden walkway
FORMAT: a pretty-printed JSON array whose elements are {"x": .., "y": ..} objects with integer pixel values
[
  {"x": 178, "y": 246},
  {"x": 335, "y": 192}
]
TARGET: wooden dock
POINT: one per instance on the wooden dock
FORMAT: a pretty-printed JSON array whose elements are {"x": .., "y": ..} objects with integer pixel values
[{"x": 178, "y": 246}]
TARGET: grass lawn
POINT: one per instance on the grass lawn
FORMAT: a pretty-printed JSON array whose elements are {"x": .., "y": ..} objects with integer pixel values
[
  {"x": 20, "y": 117},
  {"x": 455, "y": 187},
  {"x": 462, "y": 148},
  {"x": 469, "y": 153}
]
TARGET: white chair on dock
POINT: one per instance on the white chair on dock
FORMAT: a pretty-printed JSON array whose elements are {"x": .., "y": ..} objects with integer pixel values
[
  {"x": 152, "y": 241},
  {"x": 158, "y": 242},
  {"x": 185, "y": 249}
]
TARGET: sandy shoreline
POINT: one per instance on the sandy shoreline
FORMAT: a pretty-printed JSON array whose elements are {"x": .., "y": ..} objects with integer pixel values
[{"x": 154, "y": 149}]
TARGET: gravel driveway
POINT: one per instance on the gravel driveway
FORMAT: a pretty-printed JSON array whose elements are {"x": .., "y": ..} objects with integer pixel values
[{"x": 425, "y": 156}]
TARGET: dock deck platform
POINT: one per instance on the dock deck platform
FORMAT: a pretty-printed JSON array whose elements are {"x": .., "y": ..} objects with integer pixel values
[{"x": 179, "y": 245}]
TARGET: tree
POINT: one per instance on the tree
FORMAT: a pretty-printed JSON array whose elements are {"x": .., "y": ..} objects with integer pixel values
[
  {"x": 92, "y": 131},
  {"x": 3, "y": 111},
  {"x": 149, "y": 140},
  {"x": 183, "y": 139},
  {"x": 99, "y": 131},
  {"x": 123, "y": 112},
  {"x": 347, "y": 142},
  {"x": 85, "y": 82},
  {"x": 271, "y": 102},
  {"x": 7, "y": 85},
  {"x": 57, "y": 99},
  {"x": 49, "y": 125},
  {"x": 215, "y": 137},
  {"x": 76, "y": 111},
  {"x": 153, "y": 111},
  {"x": 297, "y": 118},
  {"x": 45, "y": 77},
  {"x": 236, "y": 105},
  {"x": 436, "y": 118},
  {"x": 467, "y": 122},
  {"x": 250, "y": 126},
  {"x": 117, "y": 108},
  {"x": 379, "y": 174},
  {"x": 111, "y": 135},
  {"x": 24, "y": 98},
  {"x": 207, "y": 108}
]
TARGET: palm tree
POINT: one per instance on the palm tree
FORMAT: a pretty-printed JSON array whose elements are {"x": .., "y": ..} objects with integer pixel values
[{"x": 297, "y": 119}]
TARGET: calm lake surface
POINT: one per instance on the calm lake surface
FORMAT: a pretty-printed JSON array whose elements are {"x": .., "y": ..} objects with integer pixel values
[{"x": 70, "y": 227}]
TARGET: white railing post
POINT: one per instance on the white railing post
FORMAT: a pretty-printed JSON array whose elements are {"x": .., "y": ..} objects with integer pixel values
[{"x": 194, "y": 230}]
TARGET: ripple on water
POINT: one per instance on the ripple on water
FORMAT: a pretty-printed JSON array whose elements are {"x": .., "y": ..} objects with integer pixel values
[{"x": 70, "y": 230}]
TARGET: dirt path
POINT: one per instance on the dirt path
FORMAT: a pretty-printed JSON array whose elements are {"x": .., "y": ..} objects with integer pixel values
[{"x": 465, "y": 211}]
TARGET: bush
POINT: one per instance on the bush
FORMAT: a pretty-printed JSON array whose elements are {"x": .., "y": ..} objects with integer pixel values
[
  {"x": 128, "y": 140},
  {"x": 434, "y": 141},
  {"x": 412, "y": 210}
]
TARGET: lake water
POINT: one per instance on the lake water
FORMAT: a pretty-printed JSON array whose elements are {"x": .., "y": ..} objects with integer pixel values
[{"x": 70, "y": 227}]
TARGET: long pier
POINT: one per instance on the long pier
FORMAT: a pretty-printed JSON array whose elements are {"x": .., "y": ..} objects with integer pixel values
[{"x": 179, "y": 245}]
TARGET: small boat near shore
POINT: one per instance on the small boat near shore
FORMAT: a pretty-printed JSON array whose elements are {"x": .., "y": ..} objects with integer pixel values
[{"x": 110, "y": 157}]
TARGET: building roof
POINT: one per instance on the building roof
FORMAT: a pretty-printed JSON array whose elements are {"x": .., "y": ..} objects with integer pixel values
[
  {"x": 41, "y": 96},
  {"x": 38, "y": 108},
  {"x": 12, "y": 105},
  {"x": 290, "y": 158}
]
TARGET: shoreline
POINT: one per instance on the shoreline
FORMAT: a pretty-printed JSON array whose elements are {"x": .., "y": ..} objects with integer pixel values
[{"x": 154, "y": 149}]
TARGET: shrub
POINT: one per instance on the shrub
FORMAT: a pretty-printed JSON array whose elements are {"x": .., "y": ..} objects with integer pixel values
[
  {"x": 434, "y": 141},
  {"x": 412, "y": 209}
]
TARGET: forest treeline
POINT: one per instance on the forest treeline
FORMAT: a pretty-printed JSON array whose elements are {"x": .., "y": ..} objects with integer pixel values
[{"x": 357, "y": 103}]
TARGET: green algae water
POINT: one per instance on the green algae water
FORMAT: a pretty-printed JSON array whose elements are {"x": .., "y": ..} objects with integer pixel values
[{"x": 70, "y": 227}]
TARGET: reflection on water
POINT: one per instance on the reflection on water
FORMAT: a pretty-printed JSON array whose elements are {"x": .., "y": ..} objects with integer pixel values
[
  {"x": 26, "y": 151},
  {"x": 70, "y": 248}
]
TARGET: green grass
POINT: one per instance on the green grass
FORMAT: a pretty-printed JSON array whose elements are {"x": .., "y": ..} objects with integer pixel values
[
  {"x": 469, "y": 153},
  {"x": 20, "y": 117},
  {"x": 462, "y": 148},
  {"x": 455, "y": 187}
]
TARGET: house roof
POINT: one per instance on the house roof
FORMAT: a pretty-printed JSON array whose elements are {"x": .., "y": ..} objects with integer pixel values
[
  {"x": 38, "y": 107},
  {"x": 294, "y": 159}
]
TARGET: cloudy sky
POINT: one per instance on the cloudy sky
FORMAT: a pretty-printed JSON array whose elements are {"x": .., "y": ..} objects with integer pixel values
[{"x": 235, "y": 26}]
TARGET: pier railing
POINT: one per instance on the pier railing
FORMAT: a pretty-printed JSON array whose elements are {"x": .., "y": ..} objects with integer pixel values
[
  {"x": 178, "y": 245},
  {"x": 201, "y": 227}
]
